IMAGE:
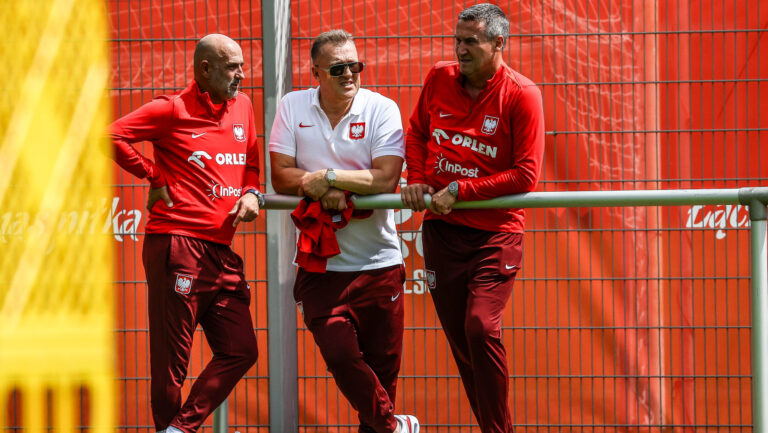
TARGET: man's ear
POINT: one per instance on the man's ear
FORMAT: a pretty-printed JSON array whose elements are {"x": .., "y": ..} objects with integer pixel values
[
  {"x": 205, "y": 68},
  {"x": 499, "y": 43},
  {"x": 315, "y": 73}
]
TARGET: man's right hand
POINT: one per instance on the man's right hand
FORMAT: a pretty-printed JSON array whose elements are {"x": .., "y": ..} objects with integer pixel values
[
  {"x": 334, "y": 199},
  {"x": 156, "y": 194},
  {"x": 413, "y": 195}
]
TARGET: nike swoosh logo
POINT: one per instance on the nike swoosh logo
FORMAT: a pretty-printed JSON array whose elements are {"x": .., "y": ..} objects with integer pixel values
[
  {"x": 197, "y": 135},
  {"x": 301, "y": 125},
  {"x": 446, "y": 114},
  {"x": 394, "y": 298},
  {"x": 510, "y": 267}
]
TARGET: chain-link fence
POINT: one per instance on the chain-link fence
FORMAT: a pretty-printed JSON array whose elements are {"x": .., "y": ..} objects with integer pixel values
[{"x": 622, "y": 319}]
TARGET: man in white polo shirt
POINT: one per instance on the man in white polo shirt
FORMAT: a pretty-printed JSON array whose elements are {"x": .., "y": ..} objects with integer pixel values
[{"x": 325, "y": 142}]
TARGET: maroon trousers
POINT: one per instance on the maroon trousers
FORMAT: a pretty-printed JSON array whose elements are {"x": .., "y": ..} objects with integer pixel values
[
  {"x": 470, "y": 274},
  {"x": 193, "y": 282},
  {"x": 356, "y": 319}
]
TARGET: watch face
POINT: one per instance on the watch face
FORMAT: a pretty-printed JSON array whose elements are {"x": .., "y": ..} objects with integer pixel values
[
  {"x": 330, "y": 177},
  {"x": 453, "y": 188}
]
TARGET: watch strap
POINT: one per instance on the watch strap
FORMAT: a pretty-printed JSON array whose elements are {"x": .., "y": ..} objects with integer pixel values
[{"x": 258, "y": 194}]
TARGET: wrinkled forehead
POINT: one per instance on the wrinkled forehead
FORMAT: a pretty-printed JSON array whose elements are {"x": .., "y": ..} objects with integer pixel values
[
  {"x": 469, "y": 28},
  {"x": 231, "y": 53},
  {"x": 331, "y": 53}
]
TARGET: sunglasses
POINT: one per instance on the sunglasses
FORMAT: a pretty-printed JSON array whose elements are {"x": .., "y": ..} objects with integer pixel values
[{"x": 338, "y": 70}]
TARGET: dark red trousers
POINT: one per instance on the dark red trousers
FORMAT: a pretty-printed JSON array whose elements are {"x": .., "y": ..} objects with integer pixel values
[
  {"x": 193, "y": 282},
  {"x": 470, "y": 274},
  {"x": 356, "y": 319}
]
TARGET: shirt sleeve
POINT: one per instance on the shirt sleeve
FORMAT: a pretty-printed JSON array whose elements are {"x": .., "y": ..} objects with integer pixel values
[
  {"x": 388, "y": 138},
  {"x": 251, "y": 180},
  {"x": 147, "y": 123},
  {"x": 417, "y": 138},
  {"x": 282, "y": 138},
  {"x": 527, "y": 119}
]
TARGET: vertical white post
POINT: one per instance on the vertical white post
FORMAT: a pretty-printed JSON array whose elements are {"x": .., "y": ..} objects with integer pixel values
[
  {"x": 758, "y": 216},
  {"x": 283, "y": 358},
  {"x": 221, "y": 418}
]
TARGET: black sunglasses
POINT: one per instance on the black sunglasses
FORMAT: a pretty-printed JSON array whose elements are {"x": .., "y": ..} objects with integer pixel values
[{"x": 338, "y": 70}]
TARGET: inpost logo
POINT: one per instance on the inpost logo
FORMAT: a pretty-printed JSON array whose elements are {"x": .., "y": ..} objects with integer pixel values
[
  {"x": 217, "y": 190},
  {"x": 443, "y": 165}
]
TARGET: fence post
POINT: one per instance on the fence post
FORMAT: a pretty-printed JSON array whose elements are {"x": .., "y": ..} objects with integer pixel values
[
  {"x": 221, "y": 417},
  {"x": 281, "y": 234},
  {"x": 758, "y": 216}
]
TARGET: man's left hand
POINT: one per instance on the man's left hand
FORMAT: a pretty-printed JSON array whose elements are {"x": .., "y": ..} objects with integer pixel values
[
  {"x": 441, "y": 202},
  {"x": 314, "y": 184},
  {"x": 246, "y": 209}
]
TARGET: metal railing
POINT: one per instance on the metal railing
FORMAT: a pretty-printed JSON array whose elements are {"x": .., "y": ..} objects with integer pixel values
[{"x": 284, "y": 401}]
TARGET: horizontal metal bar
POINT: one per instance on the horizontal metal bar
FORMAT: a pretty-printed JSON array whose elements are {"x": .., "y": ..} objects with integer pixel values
[
  {"x": 550, "y": 34},
  {"x": 587, "y": 83},
  {"x": 576, "y": 181},
  {"x": 649, "y": 180},
  {"x": 167, "y": 88},
  {"x": 659, "y": 131},
  {"x": 145, "y": 330},
  {"x": 567, "y": 376},
  {"x": 611, "y": 230},
  {"x": 172, "y": 39},
  {"x": 187, "y": 378},
  {"x": 601, "y": 427},
  {"x": 631, "y": 279},
  {"x": 566, "y": 279},
  {"x": 586, "y": 376},
  {"x": 644, "y": 426},
  {"x": 602, "y": 328},
  {"x": 559, "y": 199},
  {"x": 613, "y": 83}
]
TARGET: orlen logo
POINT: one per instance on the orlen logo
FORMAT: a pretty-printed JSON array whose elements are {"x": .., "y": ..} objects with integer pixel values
[
  {"x": 443, "y": 165},
  {"x": 218, "y": 191},
  {"x": 221, "y": 158},
  {"x": 718, "y": 216},
  {"x": 196, "y": 155},
  {"x": 230, "y": 158},
  {"x": 465, "y": 141}
]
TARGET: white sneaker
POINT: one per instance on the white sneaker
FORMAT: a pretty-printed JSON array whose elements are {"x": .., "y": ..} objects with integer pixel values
[{"x": 408, "y": 423}]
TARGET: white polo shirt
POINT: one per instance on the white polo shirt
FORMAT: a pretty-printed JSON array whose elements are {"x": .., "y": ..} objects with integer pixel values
[{"x": 372, "y": 128}]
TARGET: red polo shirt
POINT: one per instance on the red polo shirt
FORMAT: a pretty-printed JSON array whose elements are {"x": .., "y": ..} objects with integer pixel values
[
  {"x": 492, "y": 146},
  {"x": 206, "y": 154}
]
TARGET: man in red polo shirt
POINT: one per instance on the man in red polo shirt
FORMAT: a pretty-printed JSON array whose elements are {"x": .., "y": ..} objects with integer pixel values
[
  {"x": 477, "y": 132},
  {"x": 203, "y": 181}
]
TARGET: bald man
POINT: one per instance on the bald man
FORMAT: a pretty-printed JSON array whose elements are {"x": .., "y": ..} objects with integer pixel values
[{"x": 203, "y": 181}]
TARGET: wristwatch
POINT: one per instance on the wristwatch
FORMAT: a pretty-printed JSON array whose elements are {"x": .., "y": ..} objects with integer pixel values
[
  {"x": 258, "y": 194},
  {"x": 453, "y": 188},
  {"x": 330, "y": 177}
]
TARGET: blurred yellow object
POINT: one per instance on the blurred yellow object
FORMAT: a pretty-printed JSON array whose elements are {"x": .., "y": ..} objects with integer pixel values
[{"x": 56, "y": 310}]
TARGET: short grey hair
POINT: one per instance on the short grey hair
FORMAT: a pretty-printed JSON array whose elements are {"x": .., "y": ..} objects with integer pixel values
[
  {"x": 335, "y": 37},
  {"x": 496, "y": 23}
]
